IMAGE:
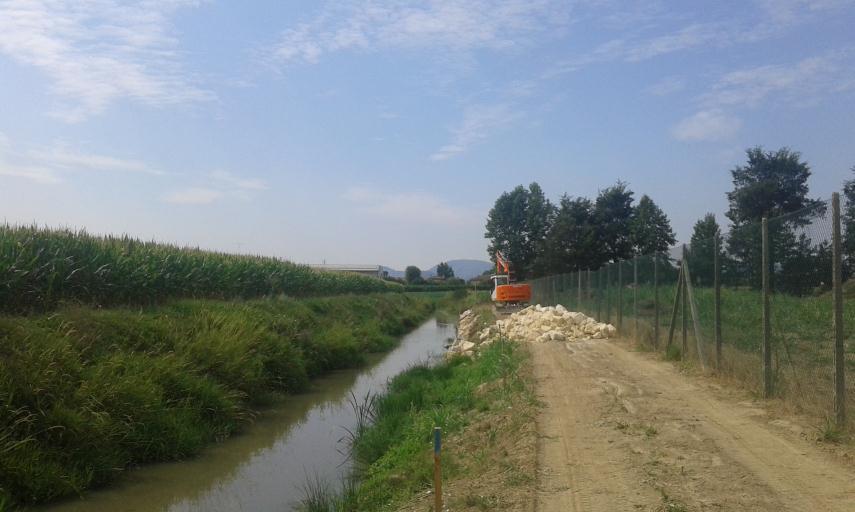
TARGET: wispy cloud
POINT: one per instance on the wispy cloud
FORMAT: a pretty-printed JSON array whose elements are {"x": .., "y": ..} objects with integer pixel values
[
  {"x": 229, "y": 180},
  {"x": 414, "y": 207},
  {"x": 193, "y": 196},
  {"x": 666, "y": 86},
  {"x": 96, "y": 53},
  {"x": 459, "y": 25},
  {"x": 706, "y": 125},
  {"x": 47, "y": 165},
  {"x": 479, "y": 122}
]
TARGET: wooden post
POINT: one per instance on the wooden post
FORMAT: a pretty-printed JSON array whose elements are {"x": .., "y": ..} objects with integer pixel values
[
  {"x": 635, "y": 296},
  {"x": 676, "y": 306},
  {"x": 717, "y": 306},
  {"x": 684, "y": 318},
  {"x": 437, "y": 469},
  {"x": 620, "y": 297},
  {"x": 767, "y": 325},
  {"x": 837, "y": 285},
  {"x": 696, "y": 324},
  {"x": 655, "y": 301}
]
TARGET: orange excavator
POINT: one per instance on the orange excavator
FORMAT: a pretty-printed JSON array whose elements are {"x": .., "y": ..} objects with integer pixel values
[{"x": 505, "y": 291}]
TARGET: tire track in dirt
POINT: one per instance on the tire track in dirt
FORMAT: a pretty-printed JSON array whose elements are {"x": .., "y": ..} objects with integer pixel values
[{"x": 620, "y": 431}]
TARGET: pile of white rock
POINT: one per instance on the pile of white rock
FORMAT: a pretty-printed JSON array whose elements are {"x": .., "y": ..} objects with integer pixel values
[{"x": 534, "y": 324}]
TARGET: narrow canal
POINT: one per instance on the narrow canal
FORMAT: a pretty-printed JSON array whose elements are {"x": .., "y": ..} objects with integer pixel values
[{"x": 265, "y": 468}]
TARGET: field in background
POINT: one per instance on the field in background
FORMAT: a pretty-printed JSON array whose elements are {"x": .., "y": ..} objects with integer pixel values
[{"x": 41, "y": 268}]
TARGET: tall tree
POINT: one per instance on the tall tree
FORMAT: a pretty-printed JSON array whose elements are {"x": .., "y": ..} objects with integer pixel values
[
  {"x": 572, "y": 242},
  {"x": 517, "y": 225},
  {"x": 613, "y": 215},
  {"x": 444, "y": 271},
  {"x": 413, "y": 275},
  {"x": 650, "y": 228},
  {"x": 702, "y": 252},
  {"x": 848, "y": 221},
  {"x": 772, "y": 184}
]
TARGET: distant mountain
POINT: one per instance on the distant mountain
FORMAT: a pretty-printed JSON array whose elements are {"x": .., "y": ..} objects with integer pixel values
[{"x": 464, "y": 269}]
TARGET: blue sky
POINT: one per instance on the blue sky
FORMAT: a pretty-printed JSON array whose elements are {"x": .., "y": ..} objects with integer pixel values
[{"x": 382, "y": 131}]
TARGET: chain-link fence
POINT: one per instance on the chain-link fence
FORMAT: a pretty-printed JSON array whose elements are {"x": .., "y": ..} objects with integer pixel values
[{"x": 756, "y": 304}]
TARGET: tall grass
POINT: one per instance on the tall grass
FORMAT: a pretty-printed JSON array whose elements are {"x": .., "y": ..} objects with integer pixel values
[
  {"x": 86, "y": 393},
  {"x": 40, "y": 268}
]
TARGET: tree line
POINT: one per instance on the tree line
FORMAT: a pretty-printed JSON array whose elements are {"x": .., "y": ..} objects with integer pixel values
[{"x": 541, "y": 238}]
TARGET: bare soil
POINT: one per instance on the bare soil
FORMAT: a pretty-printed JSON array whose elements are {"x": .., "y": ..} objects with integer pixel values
[{"x": 620, "y": 430}]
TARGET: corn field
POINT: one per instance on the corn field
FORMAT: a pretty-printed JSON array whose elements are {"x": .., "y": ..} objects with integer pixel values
[{"x": 41, "y": 268}]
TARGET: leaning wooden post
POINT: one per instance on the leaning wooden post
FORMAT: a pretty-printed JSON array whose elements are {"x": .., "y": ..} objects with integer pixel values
[
  {"x": 717, "y": 306},
  {"x": 437, "y": 469},
  {"x": 635, "y": 296},
  {"x": 620, "y": 297},
  {"x": 767, "y": 325},
  {"x": 696, "y": 323},
  {"x": 684, "y": 318},
  {"x": 655, "y": 301},
  {"x": 837, "y": 284},
  {"x": 676, "y": 306}
]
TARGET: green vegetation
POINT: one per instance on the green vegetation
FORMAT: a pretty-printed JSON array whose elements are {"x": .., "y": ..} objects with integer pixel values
[
  {"x": 85, "y": 393},
  {"x": 394, "y": 452},
  {"x": 39, "y": 269}
]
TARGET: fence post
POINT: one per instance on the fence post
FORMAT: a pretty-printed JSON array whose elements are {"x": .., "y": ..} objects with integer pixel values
[
  {"x": 837, "y": 283},
  {"x": 655, "y": 301},
  {"x": 635, "y": 297},
  {"x": 677, "y": 294},
  {"x": 620, "y": 297},
  {"x": 608, "y": 293},
  {"x": 437, "y": 469},
  {"x": 588, "y": 296},
  {"x": 579, "y": 291},
  {"x": 684, "y": 318},
  {"x": 696, "y": 324},
  {"x": 767, "y": 325},
  {"x": 717, "y": 306},
  {"x": 599, "y": 294}
]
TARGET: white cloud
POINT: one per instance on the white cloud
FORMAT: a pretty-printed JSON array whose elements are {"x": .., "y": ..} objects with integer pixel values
[
  {"x": 229, "y": 180},
  {"x": 96, "y": 53},
  {"x": 706, "y": 125},
  {"x": 412, "y": 207},
  {"x": 479, "y": 121},
  {"x": 667, "y": 86},
  {"x": 193, "y": 196},
  {"x": 458, "y": 25}
]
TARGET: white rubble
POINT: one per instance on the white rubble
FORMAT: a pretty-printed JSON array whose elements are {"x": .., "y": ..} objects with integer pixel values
[{"x": 534, "y": 324}]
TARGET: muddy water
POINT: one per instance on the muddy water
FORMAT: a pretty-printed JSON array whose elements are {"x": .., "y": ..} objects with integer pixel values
[{"x": 265, "y": 468}]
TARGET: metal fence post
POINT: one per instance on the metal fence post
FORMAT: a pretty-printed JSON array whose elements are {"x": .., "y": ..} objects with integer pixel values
[
  {"x": 767, "y": 326},
  {"x": 655, "y": 301},
  {"x": 608, "y": 293},
  {"x": 717, "y": 306},
  {"x": 620, "y": 297},
  {"x": 635, "y": 297},
  {"x": 684, "y": 318},
  {"x": 677, "y": 294},
  {"x": 837, "y": 283},
  {"x": 599, "y": 294},
  {"x": 579, "y": 290}
]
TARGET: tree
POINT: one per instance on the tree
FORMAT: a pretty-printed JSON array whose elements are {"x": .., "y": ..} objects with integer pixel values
[
  {"x": 848, "y": 222},
  {"x": 772, "y": 184},
  {"x": 650, "y": 228},
  {"x": 517, "y": 225},
  {"x": 572, "y": 242},
  {"x": 539, "y": 217},
  {"x": 702, "y": 252},
  {"x": 444, "y": 270},
  {"x": 413, "y": 275},
  {"x": 612, "y": 215}
]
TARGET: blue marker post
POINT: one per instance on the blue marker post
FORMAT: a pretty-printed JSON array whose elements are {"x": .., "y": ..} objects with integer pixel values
[{"x": 437, "y": 469}]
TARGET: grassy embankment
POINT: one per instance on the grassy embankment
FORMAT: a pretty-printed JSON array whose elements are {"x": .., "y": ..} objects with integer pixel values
[
  {"x": 86, "y": 393},
  {"x": 485, "y": 407}
]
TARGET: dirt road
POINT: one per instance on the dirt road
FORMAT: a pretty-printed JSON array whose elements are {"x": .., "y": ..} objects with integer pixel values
[{"x": 621, "y": 431}]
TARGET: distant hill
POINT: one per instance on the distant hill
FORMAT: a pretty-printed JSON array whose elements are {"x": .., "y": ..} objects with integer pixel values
[{"x": 464, "y": 269}]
